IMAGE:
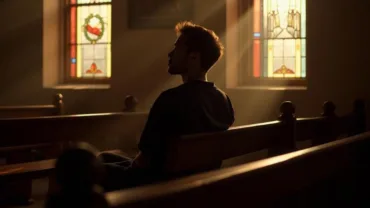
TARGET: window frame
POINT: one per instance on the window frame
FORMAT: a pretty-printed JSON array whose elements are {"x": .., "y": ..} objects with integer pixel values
[
  {"x": 67, "y": 79},
  {"x": 245, "y": 76}
]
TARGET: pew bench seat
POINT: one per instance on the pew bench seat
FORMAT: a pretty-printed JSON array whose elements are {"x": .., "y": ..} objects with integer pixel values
[
  {"x": 30, "y": 170},
  {"x": 37, "y": 169},
  {"x": 306, "y": 178},
  {"x": 16, "y": 179}
]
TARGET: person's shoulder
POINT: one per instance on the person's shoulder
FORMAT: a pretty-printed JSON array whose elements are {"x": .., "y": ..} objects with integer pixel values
[
  {"x": 223, "y": 93},
  {"x": 219, "y": 90},
  {"x": 170, "y": 93},
  {"x": 166, "y": 97}
]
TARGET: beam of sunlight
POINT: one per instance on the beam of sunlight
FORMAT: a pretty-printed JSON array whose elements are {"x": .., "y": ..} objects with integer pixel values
[{"x": 236, "y": 27}]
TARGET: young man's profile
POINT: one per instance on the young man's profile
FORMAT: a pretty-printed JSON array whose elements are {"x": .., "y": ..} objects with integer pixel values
[{"x": 196, "y": 106}]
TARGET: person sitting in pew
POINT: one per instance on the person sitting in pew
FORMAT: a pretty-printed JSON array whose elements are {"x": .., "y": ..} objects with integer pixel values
[
  {"x": 78, "y": 174},
  {"x": 196, "y": 106}
]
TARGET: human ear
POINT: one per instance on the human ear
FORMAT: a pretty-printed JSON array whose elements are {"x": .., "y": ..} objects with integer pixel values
[{"x": 194, "y": 55}]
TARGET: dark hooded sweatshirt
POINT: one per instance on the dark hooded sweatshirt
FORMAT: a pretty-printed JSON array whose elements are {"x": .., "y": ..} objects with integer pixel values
[{"x": 193, "y": 107}]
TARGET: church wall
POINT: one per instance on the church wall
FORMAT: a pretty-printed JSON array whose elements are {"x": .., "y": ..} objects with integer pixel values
[{"x": 337, "y": 66}]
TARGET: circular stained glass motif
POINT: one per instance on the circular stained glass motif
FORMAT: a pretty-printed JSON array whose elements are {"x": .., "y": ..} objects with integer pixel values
[{"x": 94, "y": 28}]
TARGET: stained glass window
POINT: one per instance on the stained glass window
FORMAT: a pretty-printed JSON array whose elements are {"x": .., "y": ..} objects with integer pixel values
[
  {"x": 90, "y": 24},
  {"x": 279, "y": 38}
]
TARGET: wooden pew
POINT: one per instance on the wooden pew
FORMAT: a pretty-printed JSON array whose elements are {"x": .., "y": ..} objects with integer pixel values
[
  {"x": 197, "y": 153},
  {"x": 315, "y": 130},
  {"x": 106, "y": 130},
  {"x": 45, "y": 138},
  {"x": 277, "y": 136},
  {"x": 81, "y": 130},
  {"x": 56, "y": 108},
  {"x": 329, "y": 126},
  {"x": 103, "y": 130},
  {"x": 321, "y": 176},
  {"x": 79, "y": 127}
]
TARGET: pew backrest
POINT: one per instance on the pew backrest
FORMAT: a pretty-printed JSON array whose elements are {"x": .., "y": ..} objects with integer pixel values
[
  {"x": 92, "y": 128},
  {"x": 40, "y": 138},
  {"x": 262, "y": 183},
  {"x": 329, "y": 126},
  {"x": 53, "y": 109},
  {"x": 196, "y": 153},
  {"x": 319, "y": 129},
  {"x": 206, "y": 151}
]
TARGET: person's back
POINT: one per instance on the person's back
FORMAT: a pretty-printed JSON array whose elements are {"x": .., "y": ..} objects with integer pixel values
[
  {"x": 196, "y": 106},
  {"x": 202, "y": 107},
  {"x": 193, "y": 107},
  {"x": 206, "y": 108}
]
